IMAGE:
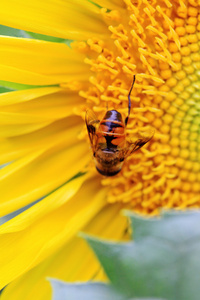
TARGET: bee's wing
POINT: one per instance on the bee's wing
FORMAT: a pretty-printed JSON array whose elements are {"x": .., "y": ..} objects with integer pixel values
[
  {"x": 92, "y": 124},
  {"x": 141, "y": 140}
]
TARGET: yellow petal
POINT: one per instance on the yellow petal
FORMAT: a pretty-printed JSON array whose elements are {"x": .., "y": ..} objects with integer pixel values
[
  {"x": 34, "y": 110},
  {"x": 41, "y": 230},
  {"x": 74, "y": 261},
  {"x": 40, "y": 172},
  {"x": 26, "y": 95},
  {"x": 12, "y": 74},
  {"x": 14, "y": 147},
  {"x": 111, "y": 4},
  {"x": 19, "y": 129},
  {"x": 60, "y": 18},
  {"x": 36, "y": 62},
  {"x": 43, "y": 109}
]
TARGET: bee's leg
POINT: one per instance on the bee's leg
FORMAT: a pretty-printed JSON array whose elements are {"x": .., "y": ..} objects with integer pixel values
[{"x": 129, "y": 100}]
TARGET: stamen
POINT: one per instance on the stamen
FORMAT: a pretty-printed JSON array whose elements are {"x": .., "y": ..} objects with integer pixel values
[
  {"x": 149, "y": 6},
  {"x": 138, "y": 39},
  {"x": 158, "y": 32},
  {"x": 152, "y": 19},
  {"x": 166, "y": 18},
  {"x": 163, "y": 53}
]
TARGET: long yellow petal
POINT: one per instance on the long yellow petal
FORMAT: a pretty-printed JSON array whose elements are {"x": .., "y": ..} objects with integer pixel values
[
  {"x": 26, "y": 95},
  {"x": 14, "y": 147},
  {"x": 44, "y": 232},
  {"x": 77, "y": 20},
  {"x": 75, "y": 260},
  {"x": 19, "y": 129},
  {"x": 34, "y": 110},
  {"x": 40, "y": 172},
  {"x": 43, "y": 109},
  {"x": 36, "y": 62},
  {"x": 18, "y": 75}
]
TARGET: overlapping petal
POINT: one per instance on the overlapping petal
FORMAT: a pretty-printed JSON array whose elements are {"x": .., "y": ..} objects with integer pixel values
[
  {"x": 64, "y": 18},
  {"x": 40, "y": 172},
  {"x": 44, "y": 109},
  {"x": 15, "y": 147},
  {"x": 26, "y": 95},
  {"x": 71, "y": 261},
  {"x": 37, "y": 62},
  {"x": 57, "y": 217},
  {"x": 36, "y": 118}
]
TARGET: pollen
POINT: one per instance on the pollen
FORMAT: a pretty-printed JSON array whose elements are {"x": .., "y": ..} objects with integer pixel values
[{"x": 159, "y": 42}]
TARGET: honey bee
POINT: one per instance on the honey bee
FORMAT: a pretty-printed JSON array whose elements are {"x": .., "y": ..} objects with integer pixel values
[{"x": 108, "y": 139}]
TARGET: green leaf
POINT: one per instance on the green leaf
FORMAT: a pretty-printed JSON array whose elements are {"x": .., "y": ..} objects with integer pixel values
[
  {"x": 87, "y": 291},
  {"x": 9, "y": 31},
  {"x": 175, "y": 226},
  {"x": 94, "y": 291},
  {"x": 14, "y": 86},
  {"x": 18, "y": 86},
  {"x": 133, "y": 271},
  {"x": 4, "y": 89},
  {"x": 163, "y": 261},
  {"x": 48, "y": 38}
]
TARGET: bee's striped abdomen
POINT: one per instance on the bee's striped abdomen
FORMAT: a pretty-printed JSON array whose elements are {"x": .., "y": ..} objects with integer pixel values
[{"x": 113, "y": 129}]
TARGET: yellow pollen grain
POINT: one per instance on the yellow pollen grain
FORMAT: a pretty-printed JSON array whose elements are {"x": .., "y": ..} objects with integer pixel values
[
  {"x": 164, "y": 105},
  {"x": 179, "y": 22},
  {"x": 186, "y": 61},
  {"x": 189, "y": 69},
  {"x": 195, "y": 57},
  {"x": 190, "y": 29},
  {"x": 192, "y": 11},
  {"x": 192, "y": 21},
  {"x": 176, "y": 57},
  {"x": 184, "y": 41},
  {"x": 181, "y": 31},
  {"x": 192, "y": 38},
  {"x": 194, "y": 47},
  {"x": 166, "y": 74}
]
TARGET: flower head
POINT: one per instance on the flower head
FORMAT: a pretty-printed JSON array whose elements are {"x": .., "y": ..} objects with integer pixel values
[{"x": 44, "y": 137}]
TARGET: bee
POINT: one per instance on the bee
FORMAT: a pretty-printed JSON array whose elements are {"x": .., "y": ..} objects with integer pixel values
[{"x": 108, "y": 139}]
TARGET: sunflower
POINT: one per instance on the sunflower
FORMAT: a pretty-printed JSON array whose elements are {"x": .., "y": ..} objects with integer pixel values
[{"x": 44, "y": 143}]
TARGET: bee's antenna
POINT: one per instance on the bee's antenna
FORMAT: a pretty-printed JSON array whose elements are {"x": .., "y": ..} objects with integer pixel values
[{"x": 129, "y": 100}]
